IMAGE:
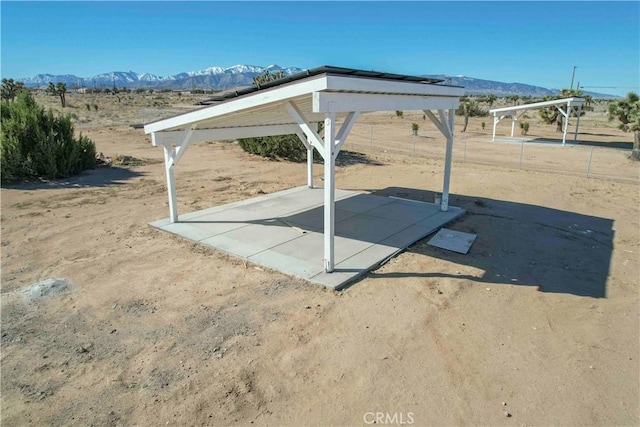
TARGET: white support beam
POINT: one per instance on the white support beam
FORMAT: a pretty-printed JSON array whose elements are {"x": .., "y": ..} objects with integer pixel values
[
  {"x": 182, "y": 145},
  {"x": 575, "y": 136},
  {"x": 309, "y": 148},
  {"x": 313, "y": 137},
  {"x": 436, "y": 122},
  {"x": 565, "y": 124},
  {"x": 262, "y": 97},
  {"x": 496, "y": 120},
  {"x": 444, "y": 203},
  {"x": 446, "y": 124},
  {"x": 329, "y": 191},
  {"x": 220, "y": 134},
  {"x": 344, "y": 131},
  {"x": 310, "y": 167},
  {"x": 347, "y": 83},
  {"x": 303, "y": 138},
  {"x": 171, "y": 184},
  {"x": 337, "y": 101},
  {"x": 554, "y": 102}
]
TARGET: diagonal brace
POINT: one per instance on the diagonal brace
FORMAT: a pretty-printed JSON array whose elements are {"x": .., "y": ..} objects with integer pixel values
[
  {"x": 346, "y": 127},
  {"x": 314, "y": 138},
  {"x": 182, "y": 145},
  {"x": 442, "y": 126}
]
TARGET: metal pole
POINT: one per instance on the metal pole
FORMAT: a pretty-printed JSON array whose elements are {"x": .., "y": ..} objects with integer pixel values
[
  {"x": 413, "y": 140},
  {"x": 573, "y": 75},
  {"x": 521, "y": 152},
  {"x": 589, "y": 164}
]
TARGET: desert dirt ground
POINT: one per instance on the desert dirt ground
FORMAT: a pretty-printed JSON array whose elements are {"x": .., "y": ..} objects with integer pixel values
[{"x": 537, "y": 325}]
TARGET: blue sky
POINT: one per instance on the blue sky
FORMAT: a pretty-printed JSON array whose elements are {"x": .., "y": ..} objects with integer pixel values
[{"x": 537, "y": 43}]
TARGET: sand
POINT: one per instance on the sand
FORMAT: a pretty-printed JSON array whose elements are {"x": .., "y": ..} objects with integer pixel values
[{"x": 536, "y": 325}]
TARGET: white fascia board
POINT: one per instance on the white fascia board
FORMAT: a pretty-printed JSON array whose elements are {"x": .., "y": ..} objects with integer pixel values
[
  {"x": 324, "y": 102},
  {"x": 256, "y": 99},
  {"x": 220, "y": 134},
  {"x": 572, "y": 102},
  {"x": 344, "y": 83}
]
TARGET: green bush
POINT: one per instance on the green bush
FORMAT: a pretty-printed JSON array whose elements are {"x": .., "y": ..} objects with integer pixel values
[
  {"x": 36, "y": 144},
  {"x": 287, "y": 147}
]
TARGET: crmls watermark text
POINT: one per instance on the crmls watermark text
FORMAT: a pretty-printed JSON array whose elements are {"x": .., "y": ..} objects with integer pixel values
[{"x": 396, "y": 418}]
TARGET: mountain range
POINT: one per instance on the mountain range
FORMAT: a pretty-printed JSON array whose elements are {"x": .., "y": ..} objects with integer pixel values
[{"x": 221, "y": 78}]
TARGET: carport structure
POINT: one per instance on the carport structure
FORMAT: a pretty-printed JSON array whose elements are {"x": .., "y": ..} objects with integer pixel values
[
  {"x": 295, "y": 105},
  {"x": 516, "y": 111}
]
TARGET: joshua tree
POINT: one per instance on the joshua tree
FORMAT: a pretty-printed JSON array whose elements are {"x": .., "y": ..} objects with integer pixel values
[
  {"x": 551, "y": 115},
  {"x": 627, "y": 111},
  {"x": 414, "y": 128},
  {"x": 465, "y": 108},
  {"x": 513, "y": 98},
  {"x": 469, "y": 108},
  {"x": 267, "y": 77},
  {"x": 60, "y": 90},
  {"x": 10, "y": 89},
  {"x": 491, "y": 99}
]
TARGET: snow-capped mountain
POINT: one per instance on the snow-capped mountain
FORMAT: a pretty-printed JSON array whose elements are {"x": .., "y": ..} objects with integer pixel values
[
  {"x": 220, "y": 78},
  {"x": 210, "y": 78}
]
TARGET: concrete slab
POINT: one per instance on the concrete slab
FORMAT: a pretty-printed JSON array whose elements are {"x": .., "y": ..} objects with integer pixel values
[
  {"x": 453, "y": 240},
  {"x": 283, "y": 231}
]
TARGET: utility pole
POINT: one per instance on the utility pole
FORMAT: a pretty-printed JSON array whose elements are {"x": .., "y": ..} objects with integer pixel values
[{"x": 573, "y": 75}]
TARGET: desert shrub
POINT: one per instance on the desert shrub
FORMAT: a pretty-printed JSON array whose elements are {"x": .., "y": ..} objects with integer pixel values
[
  {"x": 399, "y": 113},
  {"x": 414, "y": 128},
  {"x": 286, "y": 147},
  {"x": 524, "y": 127},
  {"x": 95, "y": 107},
  {"x": 36, "y": 144},
  {"x": 88, "y": 106}
]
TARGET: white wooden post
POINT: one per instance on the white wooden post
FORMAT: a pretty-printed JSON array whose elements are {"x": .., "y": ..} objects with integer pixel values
[
  {"x": 444, "y": 203},
  {"x": 329, "y": 191},
  {"x": 310, "y": 166},
  {"x": 575, "y": 136},
  {"x": 171, "y": 184},
  {"x": 513, "y": 125},
  {"x": 566, "y": 123},
  {"x": 495, "y": 122}
]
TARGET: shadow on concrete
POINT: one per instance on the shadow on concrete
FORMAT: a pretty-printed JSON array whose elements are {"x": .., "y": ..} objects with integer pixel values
[
  {"x": 99, "y": 177},
  {"x": 618, "y": 145},
  {"x": 521, "y": 244}
]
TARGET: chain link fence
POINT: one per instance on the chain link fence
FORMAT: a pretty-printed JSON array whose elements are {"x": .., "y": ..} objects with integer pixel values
[{"x": 589, "y": 159}]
